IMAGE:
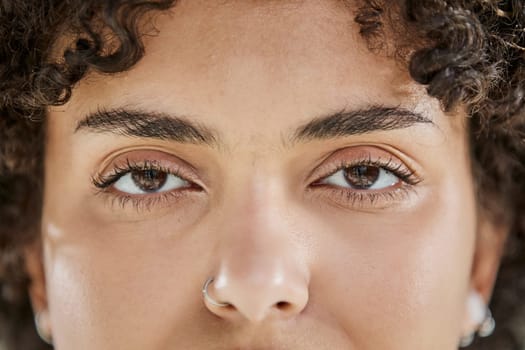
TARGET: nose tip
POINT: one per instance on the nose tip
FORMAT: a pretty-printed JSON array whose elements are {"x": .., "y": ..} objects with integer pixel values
[{"x": 256, "y": 298}]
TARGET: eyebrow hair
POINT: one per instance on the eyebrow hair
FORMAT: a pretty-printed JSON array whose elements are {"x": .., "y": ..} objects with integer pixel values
[
  {"x": 144, "y": 124},
  {"x": 356, "y": 122}
]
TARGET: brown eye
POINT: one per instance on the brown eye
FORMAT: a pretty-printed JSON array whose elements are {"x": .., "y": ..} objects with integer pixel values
[
  {"x": 149, "y": 180},
  {"x": 362, "y": 177}
]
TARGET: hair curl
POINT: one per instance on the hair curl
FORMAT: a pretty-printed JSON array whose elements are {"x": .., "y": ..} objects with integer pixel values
[{"x": 468, "y": 53}]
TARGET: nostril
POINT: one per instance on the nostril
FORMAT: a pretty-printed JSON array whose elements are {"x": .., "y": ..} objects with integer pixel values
[{"x": 283, "y": 305}]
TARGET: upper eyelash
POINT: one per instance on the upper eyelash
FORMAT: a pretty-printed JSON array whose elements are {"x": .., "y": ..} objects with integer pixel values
[
  {"x": 102, "y": 182},
  {"x": 404, "y": 173},
  {"x": 364, "y": 198}
]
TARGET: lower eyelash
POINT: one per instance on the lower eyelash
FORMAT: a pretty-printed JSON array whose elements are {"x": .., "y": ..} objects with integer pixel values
[
  {"x": 103, "y": 184},
  {"x": 362, "y": 197},
  {"x": 355, "y": 198},
  {"x": 143, "y": 203},
  {"x": 344, "y": 198}
]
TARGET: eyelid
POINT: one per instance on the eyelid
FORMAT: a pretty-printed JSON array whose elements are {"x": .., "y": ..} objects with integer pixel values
[
  {"x": 367, "y": 200},
  {"x": 120, "y": 166},
  {"x": 103, "y": 182},
  {"x": 366, "y": 155},
  {"x": 144, "y": 160},
  {"x": 401, "y": 171}
]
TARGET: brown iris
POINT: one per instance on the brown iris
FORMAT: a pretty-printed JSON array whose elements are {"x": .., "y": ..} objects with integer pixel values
[
  {"x": 149, "y": 180},
  {"x": 362, "y": 177}
]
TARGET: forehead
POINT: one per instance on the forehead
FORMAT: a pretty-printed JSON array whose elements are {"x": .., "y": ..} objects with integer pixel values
[{"x": 239, "y": 61}]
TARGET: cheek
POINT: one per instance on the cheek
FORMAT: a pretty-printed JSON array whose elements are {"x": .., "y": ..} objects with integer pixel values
[
  {"x": 404, "y": 274},
  {"x": 109, "y": 280}
]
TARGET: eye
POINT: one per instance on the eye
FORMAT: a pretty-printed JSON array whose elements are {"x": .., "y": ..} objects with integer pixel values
[
  {"x": 147, "y": 181},
  {"x": 365, "y": 178},
  {"x": 362, "y": 177}
]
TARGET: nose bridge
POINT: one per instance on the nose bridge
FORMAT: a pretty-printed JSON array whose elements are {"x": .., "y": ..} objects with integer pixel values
[
  {"x": 259, "y": 218},
  {"x": 259, "y": 207},
  {"x": 260, "y": 266},
  {"x": 257, "y": 238}
]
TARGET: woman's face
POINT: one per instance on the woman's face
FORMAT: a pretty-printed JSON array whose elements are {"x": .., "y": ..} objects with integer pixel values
[{"x": 264, "y": 145}]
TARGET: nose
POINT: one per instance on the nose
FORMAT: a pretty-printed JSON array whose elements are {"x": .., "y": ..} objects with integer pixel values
[
  {"x": 262, "y": 272},
  {"x": 261, "y": 295}
]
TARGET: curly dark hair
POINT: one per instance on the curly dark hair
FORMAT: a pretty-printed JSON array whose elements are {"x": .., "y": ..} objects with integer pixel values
[{"x": 468, "y": 53}]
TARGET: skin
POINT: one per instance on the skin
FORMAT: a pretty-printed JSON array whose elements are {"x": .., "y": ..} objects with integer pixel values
[{"x": 302, "y": 266}]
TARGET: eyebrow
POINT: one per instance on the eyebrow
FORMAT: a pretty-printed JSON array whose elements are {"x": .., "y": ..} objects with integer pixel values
[
  {"x": 145, "y": 124},
  {"x": 361, "y": 121}
]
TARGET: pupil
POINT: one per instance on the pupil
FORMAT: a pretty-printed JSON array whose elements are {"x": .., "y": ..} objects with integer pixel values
[
  {"x": 149, "y": 180},
  {"x": 362, "y": 177}
]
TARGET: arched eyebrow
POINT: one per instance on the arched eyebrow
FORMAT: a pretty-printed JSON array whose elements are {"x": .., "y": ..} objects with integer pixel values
[
  {"x": 356, "y": 122},
  {"x": 145, "y": 124}
]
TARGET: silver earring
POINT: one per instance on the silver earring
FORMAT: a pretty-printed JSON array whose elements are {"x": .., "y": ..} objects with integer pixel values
[
  {"x": 486, "y": 329},
  {"x": 466, "y": 340},
  {"x": 488, "y": 326},
  {"x": 45, "y": 335}
]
